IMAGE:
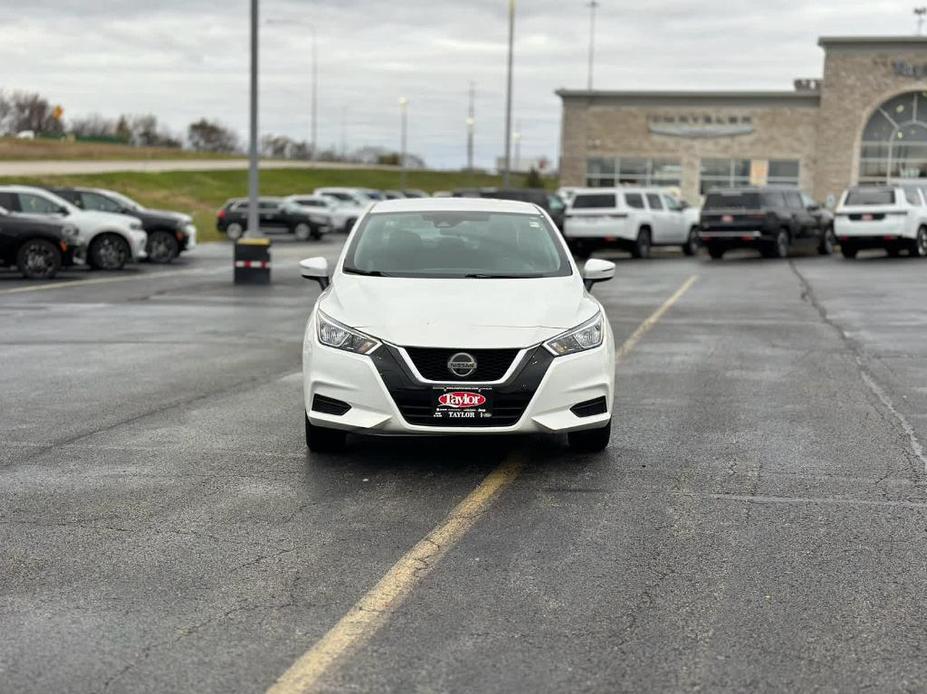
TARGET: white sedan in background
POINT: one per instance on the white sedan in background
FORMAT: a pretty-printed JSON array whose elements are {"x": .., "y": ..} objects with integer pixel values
[
  {"x": 453, "y": 317},
  {"x": 351, "y": 203},
  {"x": 105, "y": 241}
]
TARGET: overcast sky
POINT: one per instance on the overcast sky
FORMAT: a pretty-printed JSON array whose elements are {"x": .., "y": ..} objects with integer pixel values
[{"x": 184, "y": 59}]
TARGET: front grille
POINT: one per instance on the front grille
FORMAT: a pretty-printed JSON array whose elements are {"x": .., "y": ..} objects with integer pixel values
[{"x": 491, "y": 364}]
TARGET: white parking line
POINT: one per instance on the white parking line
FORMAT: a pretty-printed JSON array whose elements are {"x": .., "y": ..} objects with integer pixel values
[{"x": 71, "y": 284}]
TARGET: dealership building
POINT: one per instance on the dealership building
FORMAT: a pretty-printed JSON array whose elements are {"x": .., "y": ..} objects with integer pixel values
[{"x": 864, "y": 120}]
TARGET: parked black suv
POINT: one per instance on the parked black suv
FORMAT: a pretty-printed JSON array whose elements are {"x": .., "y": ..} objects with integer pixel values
[
  {"x": 771, "y": 219},
  {"x": 169, "y": 233},
  {"x": 549, "y": 202},
  {"x": 275, "y": 214},
  {"x": 36, "y": 245}
]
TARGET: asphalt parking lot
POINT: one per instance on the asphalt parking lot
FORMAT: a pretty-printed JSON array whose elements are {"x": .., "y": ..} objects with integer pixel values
[{"x": 757, "y": 523}]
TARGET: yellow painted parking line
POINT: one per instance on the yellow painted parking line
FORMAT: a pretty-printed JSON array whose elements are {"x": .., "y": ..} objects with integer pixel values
[
  {"x": 373, "y": 610},
  {"x": 72, "y": 284}
]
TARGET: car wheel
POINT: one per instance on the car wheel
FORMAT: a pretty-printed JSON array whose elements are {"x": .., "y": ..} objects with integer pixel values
[
  {"x": 780, "y": 247},
  {"x": 323, "y": 440},
  {"x": 302, "y": 231},
  {"x": 826, "y": 247},
  {"x": 590, "y": 440},
  {"x": 847, "y": 251},
  {"x": 234, "y": 231},
  {"x": 920, "y": 244},
  {"x": 38, "y": 259},
  {"x": 109, "y": 252},
  {"x": 690, "y": 247},
  {"x": 716, "y": 252},
  {"x": 162, "y": 247},
  {"x": 642, "y": 245}
]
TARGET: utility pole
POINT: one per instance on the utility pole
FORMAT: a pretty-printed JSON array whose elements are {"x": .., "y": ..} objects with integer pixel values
[
  {"x": 315, "y": 97},
  {"x": 920, "y": 12},
  {"x": 592, "y": 5},
  {"x": 517, "y": 138},
  {"x": 508, "y": 99},
  {"x": 253, "y": 229},
  {"x": 471, "y": 125},
  {"x": 403, "y": 110}
]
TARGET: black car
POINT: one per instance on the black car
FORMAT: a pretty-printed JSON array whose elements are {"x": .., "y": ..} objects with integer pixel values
[
  {"x": 36, "y": 245},
  {"x": 549, "y": 202},
  {"x": 770, "y": 219},
  {"x": 274, "y": 214},
  {"x": 169, "y": 233}
]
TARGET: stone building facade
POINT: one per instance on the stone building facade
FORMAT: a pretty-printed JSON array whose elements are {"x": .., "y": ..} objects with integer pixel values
[{"x": 865, "y": 119}]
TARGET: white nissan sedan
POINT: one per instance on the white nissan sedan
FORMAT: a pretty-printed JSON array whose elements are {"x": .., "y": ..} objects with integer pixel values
[{"x": 457, "y": 316}]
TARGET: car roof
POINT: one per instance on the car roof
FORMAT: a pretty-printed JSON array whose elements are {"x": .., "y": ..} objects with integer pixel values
[
  {"x": 454, "y": 205},
  {"x": 756, "y": 189},
  {"x": 618, "y": 189}
]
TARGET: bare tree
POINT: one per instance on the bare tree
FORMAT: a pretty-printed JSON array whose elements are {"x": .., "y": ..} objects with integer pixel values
[{"x": 211, "y": 136}]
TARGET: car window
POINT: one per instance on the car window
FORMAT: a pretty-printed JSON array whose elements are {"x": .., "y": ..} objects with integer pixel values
[
  {"x": 774, "y": 199},
  {"x": 36, "y": 204},
  {"x": 310, "y": 203},
  {"x": 912, "y": 196},
  {"x": 268, "y": 205},
  {"x": 593, "y": 201},
  {"x": 732, "y": 201},
  {"x": 9, "y": 202},
  {"x": 634, "y": 200},
  {"x": 808, "y": 201},
  {"x": 870, "y": 196},
  {"x": 456, "y": 244},
  {"x": 92, "y": 201},
  {"x": 555, "y": 203},
  {"x": 672, "y": 203},
  {"x": 653, "y": 201},
  {"x": 794, "y": 200}
]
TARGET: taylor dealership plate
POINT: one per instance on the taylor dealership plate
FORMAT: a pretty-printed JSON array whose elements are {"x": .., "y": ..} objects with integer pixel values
[{"x": 462, "y": 403}]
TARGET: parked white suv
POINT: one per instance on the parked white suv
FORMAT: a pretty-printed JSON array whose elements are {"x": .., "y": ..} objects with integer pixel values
[
  {"x": 631, "y": 219},
  {"x": 322, "y": 207},
  {"x": 890, "y": 217},
  {"x": 352, "y": 203},
  {"x": 105, "y": 240}
]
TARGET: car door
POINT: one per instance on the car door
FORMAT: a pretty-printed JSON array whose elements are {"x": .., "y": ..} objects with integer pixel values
[
  {"x": 661, "y": 231},
  {"x": 807, "y": 224},
  {"x": 676, "y": 219},
  {"x": 273, "y": 215}
]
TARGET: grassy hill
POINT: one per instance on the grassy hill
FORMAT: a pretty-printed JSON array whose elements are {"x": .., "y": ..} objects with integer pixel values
[
  {"x": 201, "y": 193},
  {"x": 14, "y": 149}
]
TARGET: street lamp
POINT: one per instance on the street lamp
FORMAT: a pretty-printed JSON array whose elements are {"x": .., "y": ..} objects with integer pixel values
[
  {"x": 508, "y": 97},
  {"x": 517, "y": 138},
  {"x": 403, "y": 111}
]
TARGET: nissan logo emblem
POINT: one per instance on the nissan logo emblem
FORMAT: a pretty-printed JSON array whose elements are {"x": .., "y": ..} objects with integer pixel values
[{"x": 461, "y": 364}]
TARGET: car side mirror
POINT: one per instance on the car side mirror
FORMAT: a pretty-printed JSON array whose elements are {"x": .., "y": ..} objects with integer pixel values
[
  {"x": 315, "y": 269},
  {"x": 597, "y": 270}
]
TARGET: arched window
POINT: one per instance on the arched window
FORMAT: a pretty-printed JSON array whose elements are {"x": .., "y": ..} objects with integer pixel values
[{"x": 895, "y": 140}]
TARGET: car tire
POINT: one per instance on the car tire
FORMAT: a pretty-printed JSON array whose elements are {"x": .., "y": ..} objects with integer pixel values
[
  {"x": 162, "y": 247},
  {"x": 691, "y": 246},
  {"x": 38, "y": 259},
  {"x": 234, "y": 231},
  {"x": 826, "y": 246},
  {"x": 322, "y": 439},
  {"x": 919, "y": 250},
  {"x": 780, "y": 247},
  {"x": 847, "y": 251},
  {"x": 641, "y": 247},
  {"x": 302, "y": 231},
  {"x": 716, "y": 252},
  {"x": 109, "y": 252},
  {"x": 590, "y": 440}
]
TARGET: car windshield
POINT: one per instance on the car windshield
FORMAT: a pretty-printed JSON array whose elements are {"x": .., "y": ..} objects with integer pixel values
[
  {"x": 732, "y": 201},
  {"x": 456, "y": 244},
  {"x": 124, "y": 200},
  {"x": 870, "y": 196}
]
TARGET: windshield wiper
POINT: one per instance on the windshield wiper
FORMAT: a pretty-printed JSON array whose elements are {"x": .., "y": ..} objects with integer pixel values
[
  {"x": 365, "y": 273},
  {"x": 489, "y": 276}
]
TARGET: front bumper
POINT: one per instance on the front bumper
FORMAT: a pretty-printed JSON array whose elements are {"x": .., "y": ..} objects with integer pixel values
[
  {"x": 187, "y": 237},
  {"x": 385, "y": 398},
  {"x": 138, "y": 240}
]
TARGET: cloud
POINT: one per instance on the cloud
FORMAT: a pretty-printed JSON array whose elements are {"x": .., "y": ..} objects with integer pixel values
[{"x": 183, "y": 59}]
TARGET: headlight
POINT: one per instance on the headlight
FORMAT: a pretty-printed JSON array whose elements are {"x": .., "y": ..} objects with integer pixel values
[
  {"x": 334, "y": 334},
  {"x": 588, "y": 335},
  {"x": 70, "y": 232}
]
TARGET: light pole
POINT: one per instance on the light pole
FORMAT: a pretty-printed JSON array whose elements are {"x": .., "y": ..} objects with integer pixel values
[
  {"x": 508, "y": 98},
  {"x": 403, "y": 111},
  {"x": 517, "y": 138},
  {"x": 920, "y": 12},
  {"x": 592, "y": 5},
  {"x": 253, "y": 184},
  {"x": 471, "y": 126}
]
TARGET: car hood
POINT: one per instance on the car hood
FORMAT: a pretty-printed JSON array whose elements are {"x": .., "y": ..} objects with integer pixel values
[
  {"x": 473, "y": 313},
  {"x": 97, "y": 218}
]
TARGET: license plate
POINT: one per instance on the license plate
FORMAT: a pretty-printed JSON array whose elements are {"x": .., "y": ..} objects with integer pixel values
[
  {"x": 727, "y": 219},
  {"x": 867, "y": 217},
  {"x": 462, "y": 404}
]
